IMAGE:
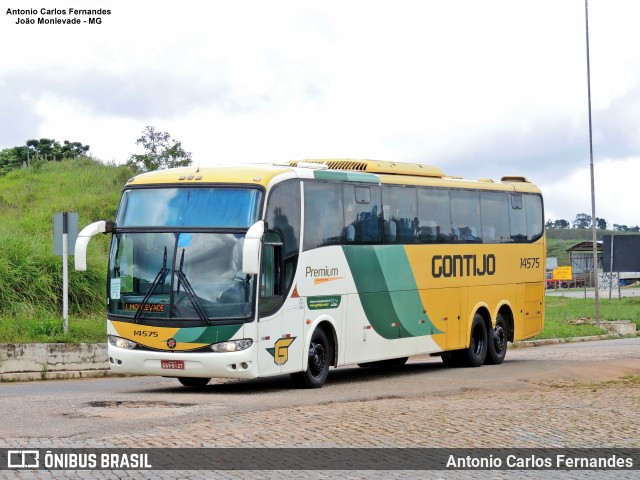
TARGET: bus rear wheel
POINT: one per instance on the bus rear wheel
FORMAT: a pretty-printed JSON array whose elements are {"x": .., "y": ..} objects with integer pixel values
[
  {"x": 497, "y": 344},
  {"x": 320, "y": 356},
  {"x": 193, "y": 381},
  {"x": 475, "y": 355}
]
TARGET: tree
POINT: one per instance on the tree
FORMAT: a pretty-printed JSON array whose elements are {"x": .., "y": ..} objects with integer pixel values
[
  {"x": 8, "y": 160},
  {"x": 161, "y": 152},
  {"x": 582, "y": 221},
  {"x": 557, "y": 224},
  {"x": 50, "y": 149},
  {"x": 601, "y": 223},
  {"x": 561, "y": 224},
  {"x": 73, "y": 149}
]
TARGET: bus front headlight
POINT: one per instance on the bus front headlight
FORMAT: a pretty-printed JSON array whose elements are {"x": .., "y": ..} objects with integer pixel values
[
  {"x": 232, "y": 345},
  {"x": 122, "y": 342}
]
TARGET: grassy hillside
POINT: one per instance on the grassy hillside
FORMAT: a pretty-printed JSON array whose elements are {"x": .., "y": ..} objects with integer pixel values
[
  {"x": 558, "y": 241},
  {"x": 30, "y": 273}
]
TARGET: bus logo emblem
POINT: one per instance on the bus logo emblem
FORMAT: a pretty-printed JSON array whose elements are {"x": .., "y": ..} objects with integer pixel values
[
  {"x": 280, "y": 350},
  {"x": 171, "y": 343}
]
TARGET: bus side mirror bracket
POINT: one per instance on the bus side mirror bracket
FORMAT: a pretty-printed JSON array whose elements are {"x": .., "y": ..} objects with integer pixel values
[
  {"x": 252, "y": 249},
  {"x": 80, "y": 250}
]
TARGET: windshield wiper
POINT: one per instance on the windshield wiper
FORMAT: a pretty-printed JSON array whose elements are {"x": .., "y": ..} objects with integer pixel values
[
  {"x": 182, "y": 279},
  {"x": 159, "y": 280}
]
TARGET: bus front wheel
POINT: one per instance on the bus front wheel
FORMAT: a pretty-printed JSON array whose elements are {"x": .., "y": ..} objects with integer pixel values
[{"x": 320, "y": 356}]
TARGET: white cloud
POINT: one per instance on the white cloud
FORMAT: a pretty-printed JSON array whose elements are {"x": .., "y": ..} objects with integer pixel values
[{"x": 616, "y": 186}]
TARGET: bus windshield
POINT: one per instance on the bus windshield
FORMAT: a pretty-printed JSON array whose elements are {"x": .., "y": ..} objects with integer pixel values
[
  {"x": 176, "y": 254},
  {"x": 191, "y": 207},
  {"x": 181, "y": 276}
]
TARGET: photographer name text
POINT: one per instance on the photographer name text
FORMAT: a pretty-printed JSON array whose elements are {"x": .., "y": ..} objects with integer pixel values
[{"x": 57, "y": 16}]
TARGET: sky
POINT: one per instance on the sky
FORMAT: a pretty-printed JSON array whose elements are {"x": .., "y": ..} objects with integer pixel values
[{"x": 480, "y": 89}]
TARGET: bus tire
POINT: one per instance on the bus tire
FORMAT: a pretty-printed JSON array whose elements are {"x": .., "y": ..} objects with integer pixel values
[
  {"x": 193, "y": 381},
  {"x": 497, "y": 344},
  {"x": 475, "y": 355},
  {"x": 320, "y": 358}
]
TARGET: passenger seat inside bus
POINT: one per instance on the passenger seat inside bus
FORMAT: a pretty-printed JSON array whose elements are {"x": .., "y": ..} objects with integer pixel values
[{"x": 350, "y": 233}]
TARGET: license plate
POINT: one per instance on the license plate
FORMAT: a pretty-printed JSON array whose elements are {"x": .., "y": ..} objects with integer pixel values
[{"x": 172, "y": 364}]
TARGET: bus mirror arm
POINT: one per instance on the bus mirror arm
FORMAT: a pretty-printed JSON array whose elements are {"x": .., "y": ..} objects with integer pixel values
[
  {"x": 80, "y": 250},
  {"x": 252, "y": 248}
]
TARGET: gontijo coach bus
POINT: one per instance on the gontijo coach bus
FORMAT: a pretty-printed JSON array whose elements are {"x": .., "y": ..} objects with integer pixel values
[{"x": 255, "y": 270}]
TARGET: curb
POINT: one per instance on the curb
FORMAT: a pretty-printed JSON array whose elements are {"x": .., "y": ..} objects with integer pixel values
[
  {"x": 61, "y": 361},
  {"x": 555, "y": 341},
  {"x": 45, "y": 361},
  {"x": 62, "y": 375}
]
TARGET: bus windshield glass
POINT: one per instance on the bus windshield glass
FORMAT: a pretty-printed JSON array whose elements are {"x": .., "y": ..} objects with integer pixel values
[
  {"x": 189, "y": 207},
  {"x": 179, "y": 276}
]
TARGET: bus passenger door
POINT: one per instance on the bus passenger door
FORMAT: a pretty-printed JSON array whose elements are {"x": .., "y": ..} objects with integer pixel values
[
  {"x": 269, "y": 331},
  {"x": 289, "y": 348},
  {"x": 280, "y": 328}
]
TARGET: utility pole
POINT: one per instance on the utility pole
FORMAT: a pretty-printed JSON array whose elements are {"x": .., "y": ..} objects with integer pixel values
[{"x": 593, "y": 190}]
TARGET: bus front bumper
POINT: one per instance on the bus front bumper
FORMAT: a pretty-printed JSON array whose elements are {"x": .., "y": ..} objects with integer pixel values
[{"x": 184, "y": 364}]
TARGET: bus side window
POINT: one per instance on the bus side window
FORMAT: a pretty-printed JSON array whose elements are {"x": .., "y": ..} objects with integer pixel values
[
  {"x": 283, "y": 214},
  {"x": 533, "y": 211},
  {"x": 434, "y": 217},
  {"x": 400, "y": 214},
  {"x": 282, "y": 244},
  {"x": 323, "y": 217},
  {"x": 517, "y": 219},
  {"x": 362, "y": 214},
  {"x": 465, "y": 217},
  {"x": 495, "y": 217}
]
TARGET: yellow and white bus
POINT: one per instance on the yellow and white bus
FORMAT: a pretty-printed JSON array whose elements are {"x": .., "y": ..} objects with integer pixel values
[{"x": 256, "y": 270}]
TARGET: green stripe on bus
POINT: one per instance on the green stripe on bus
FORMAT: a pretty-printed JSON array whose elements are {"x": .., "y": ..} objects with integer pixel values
[
  {"x": 391, "y": 301},
  {"x": 403, "y": 290},
  {"x": 208, "y": 335}
]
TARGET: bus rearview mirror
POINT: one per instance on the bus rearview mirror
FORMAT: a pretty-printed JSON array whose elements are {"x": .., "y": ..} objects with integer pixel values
[{"x": 252, "y": 248}]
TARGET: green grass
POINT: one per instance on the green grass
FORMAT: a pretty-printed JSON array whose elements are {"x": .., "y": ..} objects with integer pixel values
[
  {"x": 47, "y": 329},
  {"x": 559, "y": 311},
  {"x": 30, "y": 272}
]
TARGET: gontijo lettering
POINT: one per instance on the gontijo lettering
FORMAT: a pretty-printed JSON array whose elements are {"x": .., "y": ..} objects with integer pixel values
[{"x": 463, "y": 265}]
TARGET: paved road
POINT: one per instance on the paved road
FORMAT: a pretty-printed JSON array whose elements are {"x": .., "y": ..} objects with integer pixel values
[{"x": 566, "y": 395}]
